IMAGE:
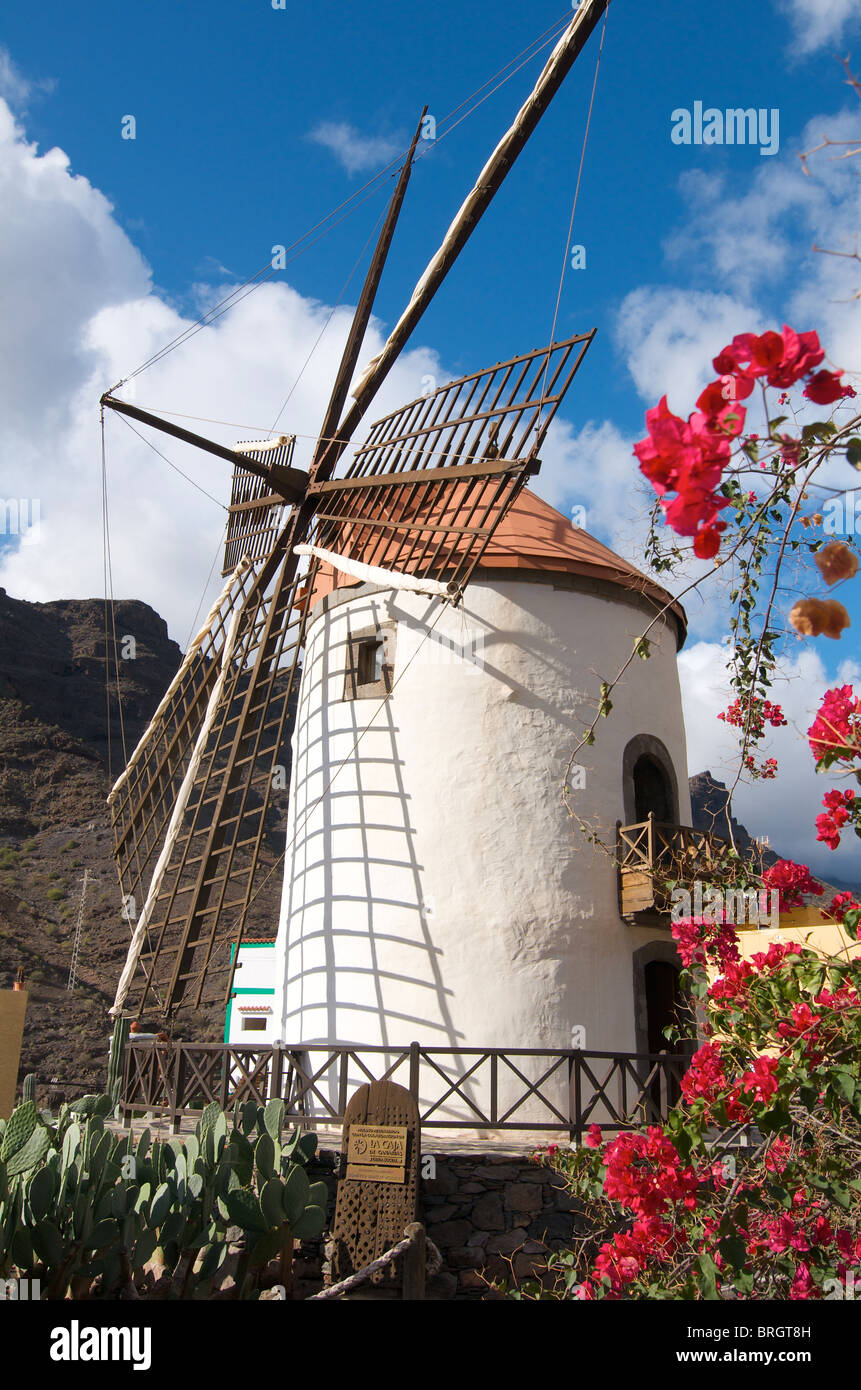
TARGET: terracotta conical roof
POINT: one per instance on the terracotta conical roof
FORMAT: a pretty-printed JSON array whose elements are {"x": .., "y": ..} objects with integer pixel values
[{"x": 535, "y": 537}]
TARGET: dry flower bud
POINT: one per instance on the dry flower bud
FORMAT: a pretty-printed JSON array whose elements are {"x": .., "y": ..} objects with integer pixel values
[{"x": 835, "y": 561}]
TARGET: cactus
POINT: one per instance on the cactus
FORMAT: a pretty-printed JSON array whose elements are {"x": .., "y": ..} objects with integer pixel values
[
  {"x": 28, "y": 1090},
  {"x": 22, "y": 1122},
  {"x": 87, "y": 1210}
]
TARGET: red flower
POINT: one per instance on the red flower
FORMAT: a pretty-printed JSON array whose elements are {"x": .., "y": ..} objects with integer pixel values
[
  {"x": 826, "y": 387},
  {"x": 791, "y": 881},
  {"x": 782, "y": 358},
  {"x": 707, "y": 540},
  {"x": 593, "y": 1137},
  {"x": 838, "y": 808},
  {"x": 837, "y": 727}
]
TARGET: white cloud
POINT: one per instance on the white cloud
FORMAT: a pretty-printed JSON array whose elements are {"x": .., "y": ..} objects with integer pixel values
[
  {"x": 352, "y": 149},
  {"x": 669, "y": 336},
  {"x": 15, "y": 88},
  {"x": 784, "y": 809},
  {"x": 79, "y": 314},
  {"x": 819, "y": 22}
]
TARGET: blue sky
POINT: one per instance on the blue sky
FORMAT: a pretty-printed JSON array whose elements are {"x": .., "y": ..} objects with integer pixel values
[{"x": 110, "y": 248}]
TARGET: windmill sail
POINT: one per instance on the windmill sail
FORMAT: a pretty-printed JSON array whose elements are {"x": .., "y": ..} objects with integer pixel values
[
  {"x": 247, "y": 654},
  {"x": 256, "y": 510},
  {"x": 433, "y": 480}
]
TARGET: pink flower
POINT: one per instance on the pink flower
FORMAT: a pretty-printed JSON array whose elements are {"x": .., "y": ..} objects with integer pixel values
[
  {"x": 826, "y": 387},
  {"x": 593, "y": 1137}
]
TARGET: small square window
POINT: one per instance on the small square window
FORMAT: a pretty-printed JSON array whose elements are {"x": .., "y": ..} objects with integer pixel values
[
  {"x": 370, "y": 663},
  {"x": 254, "y": 1025}
]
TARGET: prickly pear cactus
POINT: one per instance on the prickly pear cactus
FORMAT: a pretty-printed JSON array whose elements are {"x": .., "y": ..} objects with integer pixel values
[{"x": 22, "y": 1122}]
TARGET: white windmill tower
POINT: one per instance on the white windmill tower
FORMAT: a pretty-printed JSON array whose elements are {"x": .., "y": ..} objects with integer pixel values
[{"x": 433, "y": 887}]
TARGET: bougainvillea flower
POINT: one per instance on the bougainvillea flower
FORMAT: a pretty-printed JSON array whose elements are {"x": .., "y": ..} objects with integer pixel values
[
  {"x": 814, "y": 617},
  {"x": 707, "y": 540},
  {"x": 782, "y": 358},
  {"x": 835, "y": 561},
  {"x": 792, "y": 881},
  {"x": 837, "y": 727},
  {"x": 839, "y": 806},
  {"x": 826, "y": 387}
]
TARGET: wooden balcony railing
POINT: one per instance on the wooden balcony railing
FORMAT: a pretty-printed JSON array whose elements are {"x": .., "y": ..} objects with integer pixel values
[{"x": 652, "y": 852}]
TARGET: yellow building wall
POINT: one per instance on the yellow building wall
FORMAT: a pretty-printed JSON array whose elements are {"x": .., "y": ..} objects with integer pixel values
[
  {"x": 13, "y": 1007},
  {"x": 808, "y": 927}
]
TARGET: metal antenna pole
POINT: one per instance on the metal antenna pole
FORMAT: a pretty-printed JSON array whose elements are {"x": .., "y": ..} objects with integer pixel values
[{"x": 76, "y": 947}]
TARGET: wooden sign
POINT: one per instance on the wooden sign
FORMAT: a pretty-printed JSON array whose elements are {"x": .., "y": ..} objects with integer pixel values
[
  {"x": 378, "y": 1196},
  {"x": 377, "y": 1153}
]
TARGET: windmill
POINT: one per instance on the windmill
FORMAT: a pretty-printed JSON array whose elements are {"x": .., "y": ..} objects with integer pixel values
[{"x": 420, "y": 501}]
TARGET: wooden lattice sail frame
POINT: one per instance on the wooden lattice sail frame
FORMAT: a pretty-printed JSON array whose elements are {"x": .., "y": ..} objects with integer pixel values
[{"x": 422, "y": 496}]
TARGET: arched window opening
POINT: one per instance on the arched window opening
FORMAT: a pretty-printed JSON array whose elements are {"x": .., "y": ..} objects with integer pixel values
[{"x": 653, "y": 793}]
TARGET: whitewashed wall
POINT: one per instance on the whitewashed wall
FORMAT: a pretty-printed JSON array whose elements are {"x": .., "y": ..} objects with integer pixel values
[{"x": 437, "y": 890}]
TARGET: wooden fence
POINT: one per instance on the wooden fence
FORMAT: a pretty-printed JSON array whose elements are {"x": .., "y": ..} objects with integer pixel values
[{"x": 481, "y": 1089}]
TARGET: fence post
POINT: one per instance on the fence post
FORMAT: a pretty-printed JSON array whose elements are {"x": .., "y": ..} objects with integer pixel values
[
  {"x": 415, "y": 1061},
  {"x": 225, "y": 1078},
  {"x": 575, "y": 1107},
  {"x": 276, "y": 1073},
  {"x": 415, "y": 1261},
  {"x": 125, "y": 1111},
  {"x": 176, "y": 1100}
]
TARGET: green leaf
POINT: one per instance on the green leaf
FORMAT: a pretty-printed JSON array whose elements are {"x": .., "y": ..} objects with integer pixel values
[
  {"x": 32, "y": 1154},
  {"x": 41, "y": 1191},
  {"x": 264, "y": 1156},
  {"x": 853, "y": 452},
  {"x": 48, "y": 1244},
  {"x": 707, "y": 1276},
  {"x": 244, "y": 1210},
  {"x": 22, "y": 1123},
  {"x": 295, "y": 1193},
  {"x": 208, "y": 1118},
  {"x": 845, "y": 1082},
  {"x": 212, "y": 1259},
  {"x": 102, "y": 1235},
  {"x": 318, "y": 1195},
  {"x": 160, "y": 1205},
  {"x": 271, "y": 1203},
  {"x": 310, "y": 1224},
  {"x": 273, "y": 1118}
]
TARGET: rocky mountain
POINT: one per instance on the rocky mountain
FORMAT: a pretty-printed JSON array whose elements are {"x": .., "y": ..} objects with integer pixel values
[
  {"x": 62, "y": 742},
  {"x": 709, "y": 812}
]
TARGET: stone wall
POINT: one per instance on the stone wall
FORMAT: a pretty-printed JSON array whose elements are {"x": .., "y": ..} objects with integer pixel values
[{"x": 493, "y": 1213}]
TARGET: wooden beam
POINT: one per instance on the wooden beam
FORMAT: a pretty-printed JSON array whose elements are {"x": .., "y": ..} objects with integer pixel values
[
  {"x": 489, "y": 182},
  {"x": 326, "y": 445},
  {"x": 291, "y": 483},
  {"x": 489, "y": 469}
]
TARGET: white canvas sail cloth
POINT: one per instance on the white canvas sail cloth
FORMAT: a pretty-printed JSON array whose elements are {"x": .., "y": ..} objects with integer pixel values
[
  {"x": 139, "y": 934},
  {"x": 373, "y": 574}
]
